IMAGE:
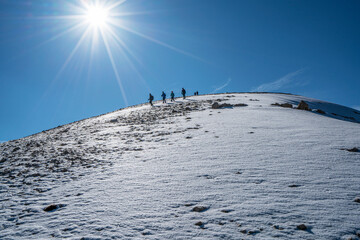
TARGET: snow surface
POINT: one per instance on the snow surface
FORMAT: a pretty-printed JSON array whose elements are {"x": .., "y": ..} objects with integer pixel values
[{"x": 259, "y": 170}]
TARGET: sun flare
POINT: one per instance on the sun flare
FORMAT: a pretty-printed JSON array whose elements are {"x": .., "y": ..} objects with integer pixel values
[{"x": 97, "y": 16}]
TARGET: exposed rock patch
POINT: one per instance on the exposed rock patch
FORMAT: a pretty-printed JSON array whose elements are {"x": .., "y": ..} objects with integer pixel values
[
  {"x": 350, "y": 149},
  {"x": 284, "y": 105},
  {"x": 226, "y": 210},
  {"x": 200, "y": 209},
  {"x": 240, "y": 105},
  {"x": 253, "y": 232},
  {"x": 302, "y": 227},
  {"x": 320, "y": 111},
  {"x": 216, "y": 105},
  {"x": 303, "y": 106},
  {"x": 200, "y": 224},
  {"x": 53, "y": 207}
]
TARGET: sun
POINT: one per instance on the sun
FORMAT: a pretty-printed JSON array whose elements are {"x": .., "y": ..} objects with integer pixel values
[{"x": 97, "y": 16}]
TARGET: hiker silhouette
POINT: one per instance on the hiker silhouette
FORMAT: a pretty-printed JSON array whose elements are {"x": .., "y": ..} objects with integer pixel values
[
  {"x": 183, "y": 92},
  {"x": 163, "y": 97},
  {"x": 151, "y": 98}
]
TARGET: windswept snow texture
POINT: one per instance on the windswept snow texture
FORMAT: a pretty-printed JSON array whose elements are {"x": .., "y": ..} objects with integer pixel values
[{"x": 187, "y": 171}]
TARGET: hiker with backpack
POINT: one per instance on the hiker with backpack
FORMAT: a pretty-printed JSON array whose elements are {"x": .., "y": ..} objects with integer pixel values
[
  {"x": 183, "y": 92},
  {"x": 172, "y": 95},
  {"x": 151, "y": 98},
  {"x": 163, "y": 97}
]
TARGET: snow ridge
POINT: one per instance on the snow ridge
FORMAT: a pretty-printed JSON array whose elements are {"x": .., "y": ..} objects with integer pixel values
[{"x": 226, "y": 166}]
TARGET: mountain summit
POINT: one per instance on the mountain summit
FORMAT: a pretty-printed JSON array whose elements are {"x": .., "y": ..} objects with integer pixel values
[{"x": 225, "y": 166}]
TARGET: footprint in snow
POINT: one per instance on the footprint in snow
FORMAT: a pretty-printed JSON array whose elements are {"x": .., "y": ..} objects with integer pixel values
[
  {"x": 278, "y": 227},
  {"x": 53, "y": 207},
  {"x": 189, "y": 204},
  {"x": 207, "y": 176},
  {"x": 259, "y": 181},
  {"x": 226, "y": 210}
]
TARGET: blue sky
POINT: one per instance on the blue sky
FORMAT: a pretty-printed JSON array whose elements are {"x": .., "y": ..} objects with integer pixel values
[{"x": 51, "y": 73}]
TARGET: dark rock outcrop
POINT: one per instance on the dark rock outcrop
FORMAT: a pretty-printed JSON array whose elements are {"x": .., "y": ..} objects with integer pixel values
[
  {"x": 284, "y": 105},
  {"x": 226, "y": 210},
  {"x": 353, "y": 149},
  {"x": 200, "y": 209},
  {"x": 303, "y": 106},
  {"x": 302, "y": 227},
  {"x": 53, "y": 207},
  {"x": 240, "y": 105},
  {"x": 216, "y": 105},
  {"x": 320, "y": 111}
]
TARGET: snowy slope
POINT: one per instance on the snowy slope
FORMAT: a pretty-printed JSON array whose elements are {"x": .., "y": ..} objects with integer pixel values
[{"x": 253, "y": 172}]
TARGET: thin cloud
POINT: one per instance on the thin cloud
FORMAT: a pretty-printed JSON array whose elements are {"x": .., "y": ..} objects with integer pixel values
[
  {"x": 279, "y": 83},
  {"x": 222, "y": 87}
]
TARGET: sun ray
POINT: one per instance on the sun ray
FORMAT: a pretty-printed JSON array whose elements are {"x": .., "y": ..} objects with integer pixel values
[
  {"x": 73, "y": 53},
  {"x": 158, "y": 41},
  {"x": 46, "y": 93},
  {"x": 124, "y": 14},
  {"x": 115, "y": 5},
  {"x": 77, "y": 26},
  {"x": 94, "y": 40},
  {"x": 49, "y": 40},
  {"x": 114, "y": 66},
  {"x": 121, "y": 45},
  {"x": 60, "y": 17}
]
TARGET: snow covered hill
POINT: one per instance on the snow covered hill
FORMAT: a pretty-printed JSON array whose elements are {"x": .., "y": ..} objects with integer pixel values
[{"x": 226, "y": 166}]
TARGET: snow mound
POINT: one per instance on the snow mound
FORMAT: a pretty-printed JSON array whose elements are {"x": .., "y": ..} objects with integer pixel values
[{"x": 230, "y": 166}]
